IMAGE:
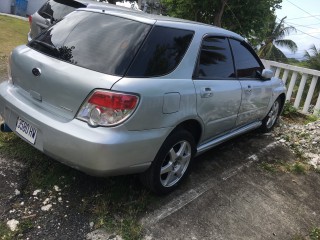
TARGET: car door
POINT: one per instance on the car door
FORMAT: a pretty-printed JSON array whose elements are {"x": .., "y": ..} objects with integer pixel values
[
  {"x": 218, "y": 90},
  {"x": 256, "y": 92}
]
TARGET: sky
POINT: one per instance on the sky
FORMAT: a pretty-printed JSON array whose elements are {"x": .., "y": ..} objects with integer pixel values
[{"x": 305, "y": 17}]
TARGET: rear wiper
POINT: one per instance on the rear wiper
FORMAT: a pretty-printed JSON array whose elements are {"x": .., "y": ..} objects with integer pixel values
[{"x": 44, "y": 44}]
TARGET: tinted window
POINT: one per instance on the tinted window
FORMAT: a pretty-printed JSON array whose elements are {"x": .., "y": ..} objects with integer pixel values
[
  {"x": 161, "y": 53},
  {"x": 246, "y": 63},
  {"x": 96, "y": 41},
  {"x": 215, "y": 59},
  {"x": 57, "y": 9}
]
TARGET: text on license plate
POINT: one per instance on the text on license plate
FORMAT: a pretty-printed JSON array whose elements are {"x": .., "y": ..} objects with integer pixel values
[{"x": 26, "y": 130}]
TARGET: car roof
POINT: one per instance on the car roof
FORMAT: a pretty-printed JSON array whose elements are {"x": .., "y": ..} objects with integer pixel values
[{"x": 160, "y": 20}]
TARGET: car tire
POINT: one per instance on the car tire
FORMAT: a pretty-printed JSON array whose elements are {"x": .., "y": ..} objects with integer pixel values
[
  {"x": 171, "y": 164},
  {"x": 272, "y": 117}
]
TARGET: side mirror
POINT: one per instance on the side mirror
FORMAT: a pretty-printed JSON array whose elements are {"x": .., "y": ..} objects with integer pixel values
[{"x": 267, "y": 74}]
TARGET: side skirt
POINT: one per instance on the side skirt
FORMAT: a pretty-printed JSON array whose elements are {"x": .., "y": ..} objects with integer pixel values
[{"x": 208, "y": 145}]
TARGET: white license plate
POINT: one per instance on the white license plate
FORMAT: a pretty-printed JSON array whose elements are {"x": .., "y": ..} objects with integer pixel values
[{"x": 26, "y": 130}]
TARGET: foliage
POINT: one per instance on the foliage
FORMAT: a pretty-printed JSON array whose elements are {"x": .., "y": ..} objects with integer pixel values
[
  {"x": 315, "y": 234},
  {"x": 313, "y": 62},
  {"x": 247, "y": 17},
  {"x": 313, "y": 58},
  {"x": 5, "y": 233},
  {"x": 275, "y": 37},
  {"x": 299, "y": 168},
  {"x": 114, "y": 203},
  {"x": 311, "y": 118},
  {"x": 289, "y": 110}
]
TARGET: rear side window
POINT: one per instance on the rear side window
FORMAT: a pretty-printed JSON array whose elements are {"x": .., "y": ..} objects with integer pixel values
[
  {"x": 246, "y": 62},
  {"x": 215, "y": 60},
  {"x": 161, "y": 53},
  {"x": 57, "y": 9},
  {"x": 99, "y": 42}
]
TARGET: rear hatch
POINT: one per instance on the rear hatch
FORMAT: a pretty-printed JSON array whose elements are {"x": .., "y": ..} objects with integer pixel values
[{"x": 83, "y": 52}]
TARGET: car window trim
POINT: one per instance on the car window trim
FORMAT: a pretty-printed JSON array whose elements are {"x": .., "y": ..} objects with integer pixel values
[
  {"x": 195, "y": 74},
  {"x": 139, "y": 49},
  {"x": 250, "y": 49},
  {"x": 144, "y": 41}
]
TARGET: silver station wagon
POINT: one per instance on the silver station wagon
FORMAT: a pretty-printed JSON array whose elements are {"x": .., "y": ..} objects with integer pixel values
[{"x": 113, "y": 92}]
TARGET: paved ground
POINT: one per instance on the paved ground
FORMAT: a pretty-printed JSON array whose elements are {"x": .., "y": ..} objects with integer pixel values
[{"x": 227, "y": 196}]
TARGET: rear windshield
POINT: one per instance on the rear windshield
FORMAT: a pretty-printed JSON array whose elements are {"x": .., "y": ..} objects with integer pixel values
[
  {"x": 99, "y": 42},
  {"x": 57, "y": 9}
]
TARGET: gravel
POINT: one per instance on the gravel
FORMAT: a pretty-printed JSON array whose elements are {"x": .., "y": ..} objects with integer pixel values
[
  {"x": 302, "y": 139},
  {"x": 53, "y": 212}
]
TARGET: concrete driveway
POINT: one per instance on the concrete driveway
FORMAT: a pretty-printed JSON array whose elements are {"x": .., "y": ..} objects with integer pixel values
[{"x": 230, "y": 196}]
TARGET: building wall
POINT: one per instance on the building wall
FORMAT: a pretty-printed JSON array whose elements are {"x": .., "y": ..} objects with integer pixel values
[
  {"x": 5, "y": 6},
  {"x": 34, "y": 5}
]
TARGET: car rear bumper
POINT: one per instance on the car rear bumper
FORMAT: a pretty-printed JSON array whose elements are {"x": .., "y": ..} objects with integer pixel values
[
  {"x": 29, "y": 36},
  {"x": 96, "y": 151}
]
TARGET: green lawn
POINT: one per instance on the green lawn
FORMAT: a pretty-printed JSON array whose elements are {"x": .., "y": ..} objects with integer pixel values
[
  {"x": 13, "y": 32},
  {"x": 122, "y": 197}
]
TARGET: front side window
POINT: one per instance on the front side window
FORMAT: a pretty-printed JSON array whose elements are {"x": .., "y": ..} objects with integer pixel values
[
  {"x": 100, "y": 42},
  {"x": 161, "y": 53},
  {"x": 57, "y": 9},
  {"x": 215, "y": 60},
  {"x": 246, "y": 62}
]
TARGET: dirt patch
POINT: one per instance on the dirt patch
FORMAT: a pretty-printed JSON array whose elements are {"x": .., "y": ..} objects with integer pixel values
[
  {"x": 229, "y": 194},
  {"x": 11, "y": 178}
]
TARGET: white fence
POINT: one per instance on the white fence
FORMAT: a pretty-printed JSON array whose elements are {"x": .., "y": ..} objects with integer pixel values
[{"x": 299, "y": 76}]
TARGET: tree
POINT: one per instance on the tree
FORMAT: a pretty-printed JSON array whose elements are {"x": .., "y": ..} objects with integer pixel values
[
  {"x": 313, "y": 61},
  {"x": 275, "y": 37},
  {"x": 247, "y": 17},
  {"x": 313, "y": 58}
]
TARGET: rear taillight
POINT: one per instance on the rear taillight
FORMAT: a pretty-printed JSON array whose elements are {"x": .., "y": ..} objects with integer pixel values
[
  {"x": 30, "y": 20},
  {"x": 105, "y": 108}
]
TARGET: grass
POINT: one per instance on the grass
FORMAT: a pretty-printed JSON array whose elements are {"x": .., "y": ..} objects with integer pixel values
[
  {"x": 114, "y": 204},
  {"x": 289, "y": 110},
  {"x": 7, "y": 234},
  {"x": 269, "y": 167},
  {"x": 297, "y": 167},
  {"x": 13, "y": 32},
  {"x": 311, "y": 118},
  {"x": 313, "y": 235},
  {"x": 292, "y": 115}
]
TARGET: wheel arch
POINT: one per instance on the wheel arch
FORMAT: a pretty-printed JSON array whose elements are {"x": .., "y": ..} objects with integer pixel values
[
  {"x": 193, "y": 126},
  {"x": 282, "y": 98}
]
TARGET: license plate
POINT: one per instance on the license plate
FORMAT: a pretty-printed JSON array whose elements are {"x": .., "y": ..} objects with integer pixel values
[{"x": 26, "y": 130}]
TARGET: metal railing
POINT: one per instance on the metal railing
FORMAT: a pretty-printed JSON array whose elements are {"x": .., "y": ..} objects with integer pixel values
[{"x": 300, "y": 79}]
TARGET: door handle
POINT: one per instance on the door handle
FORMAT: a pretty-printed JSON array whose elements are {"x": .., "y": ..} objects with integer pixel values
[{"x": 206, "y": 92}]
